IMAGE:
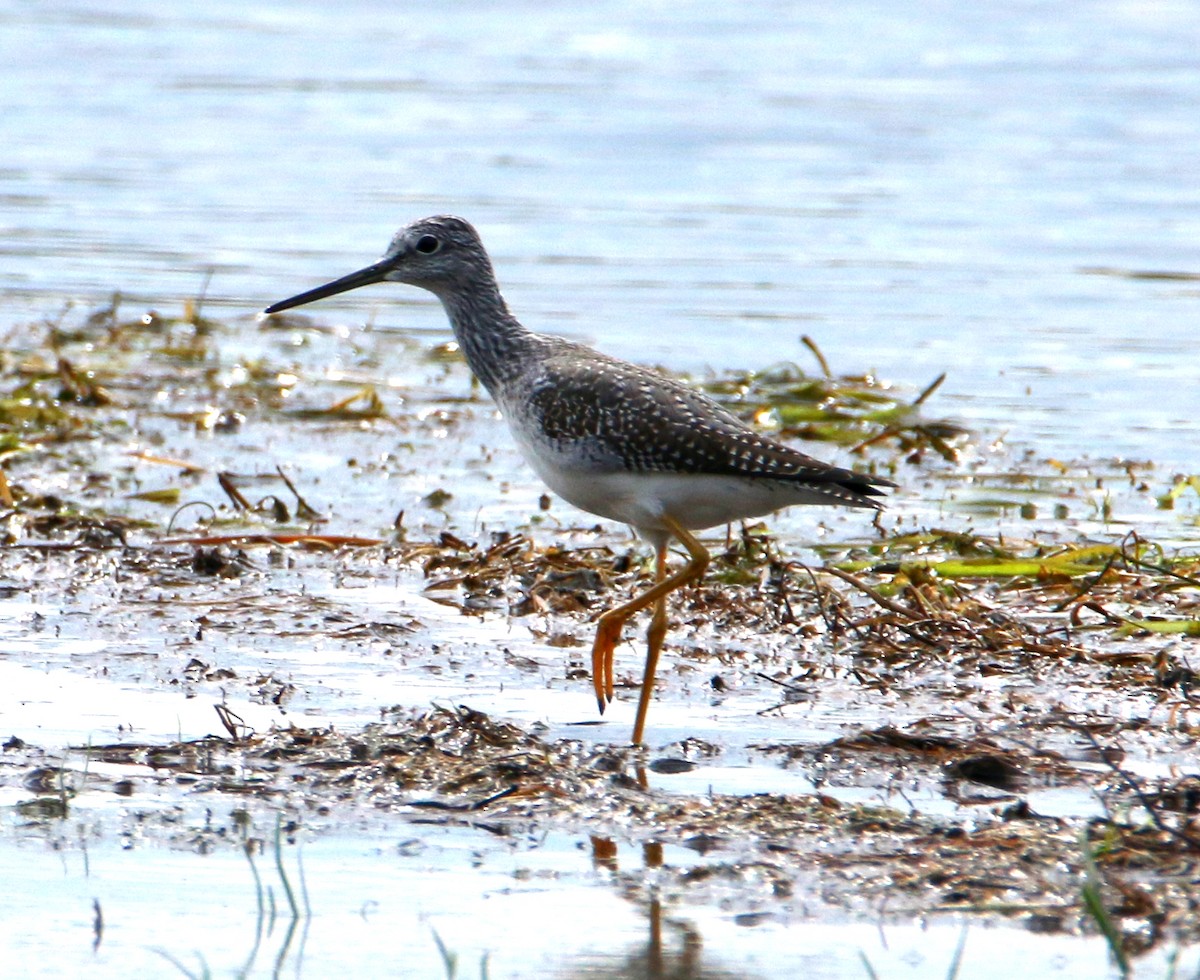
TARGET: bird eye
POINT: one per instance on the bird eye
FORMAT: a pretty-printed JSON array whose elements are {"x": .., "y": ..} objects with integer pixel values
[{"x": 427, "y": 244}]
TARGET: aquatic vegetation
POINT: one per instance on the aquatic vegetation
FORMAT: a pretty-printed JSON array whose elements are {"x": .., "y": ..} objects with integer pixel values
[{"x": 857, "y": 411}]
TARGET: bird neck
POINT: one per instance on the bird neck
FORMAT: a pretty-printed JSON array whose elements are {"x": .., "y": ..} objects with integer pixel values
[{"x": 491, "y": 338}]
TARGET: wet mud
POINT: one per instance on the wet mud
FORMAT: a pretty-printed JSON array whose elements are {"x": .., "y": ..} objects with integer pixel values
[{"x": 296, "y": 573}]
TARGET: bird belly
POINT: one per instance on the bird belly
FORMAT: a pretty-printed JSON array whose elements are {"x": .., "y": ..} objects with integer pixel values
[
  {"x": 642, "y": 498},
  {"x": 696, "y": 501}
]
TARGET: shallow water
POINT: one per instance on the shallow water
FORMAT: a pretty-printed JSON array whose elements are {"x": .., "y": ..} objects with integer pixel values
[
  {"x": 1005, "y": 194},
  {"x": 378, "y": 917}
]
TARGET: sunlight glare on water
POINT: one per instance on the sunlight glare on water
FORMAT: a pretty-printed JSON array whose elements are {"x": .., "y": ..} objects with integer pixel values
[{"x": 699, "y": 186}]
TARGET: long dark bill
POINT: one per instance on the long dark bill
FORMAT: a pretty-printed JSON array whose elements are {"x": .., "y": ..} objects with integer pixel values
[{"x": 363, "y": 277}]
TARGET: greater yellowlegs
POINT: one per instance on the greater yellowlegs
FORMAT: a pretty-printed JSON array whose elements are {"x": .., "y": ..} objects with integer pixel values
[{"x": 612, "y": 438}]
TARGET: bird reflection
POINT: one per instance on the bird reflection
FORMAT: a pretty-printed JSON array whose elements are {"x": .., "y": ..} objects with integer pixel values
[{"x": 679, "y": 957}]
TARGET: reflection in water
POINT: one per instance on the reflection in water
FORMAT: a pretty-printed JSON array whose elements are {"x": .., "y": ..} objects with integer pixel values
[
  {"x": 270, "y": 912},
  {"x": 653, "y": 962},
  {"x": 264, "y": 930},
  {"x": 604, "y": 854}
]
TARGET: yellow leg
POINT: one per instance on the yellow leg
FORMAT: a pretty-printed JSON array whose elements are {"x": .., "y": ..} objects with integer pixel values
[
  {"x": 654, "y": 641},
  {"x": 610, "y": 625}
]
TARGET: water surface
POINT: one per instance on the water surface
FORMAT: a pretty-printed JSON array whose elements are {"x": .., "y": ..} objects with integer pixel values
[
  {"x": 941, "y": 189},
  {"x": 1003, "y": 192}
]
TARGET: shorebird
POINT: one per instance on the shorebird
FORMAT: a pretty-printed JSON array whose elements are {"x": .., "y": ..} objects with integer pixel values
[{"x": 614, "y": 439}]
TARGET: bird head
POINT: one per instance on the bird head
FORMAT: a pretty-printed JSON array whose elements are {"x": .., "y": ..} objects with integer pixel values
[{"x": 436, "y": 254}]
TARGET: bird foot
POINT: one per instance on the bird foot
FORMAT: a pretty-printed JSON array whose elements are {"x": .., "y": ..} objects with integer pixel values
[{"x": 608, "y": 633}]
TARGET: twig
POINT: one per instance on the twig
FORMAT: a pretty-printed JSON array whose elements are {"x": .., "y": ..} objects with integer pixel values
[
  {"x": 1131, "y": 783},
  {"x": 873, "y": 594},
  {"x": 302, "y": 507},
  {"x": 933, "y": 386},
  {"x": 233, "y": 493},
  {"x": 325, "y": 540},
  {"x": 466, "y": 807},
  {"x": 789, "y": 687},
  {"x": 180, "y": 510},
  {"x": 811, "y": 344},
  {"x": 1089, "y": 585},
  {"x": 167, "y": 461}
]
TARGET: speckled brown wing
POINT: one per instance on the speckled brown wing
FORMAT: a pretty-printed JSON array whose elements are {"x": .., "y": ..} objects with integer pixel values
[{"x": 602, "y": 412}]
